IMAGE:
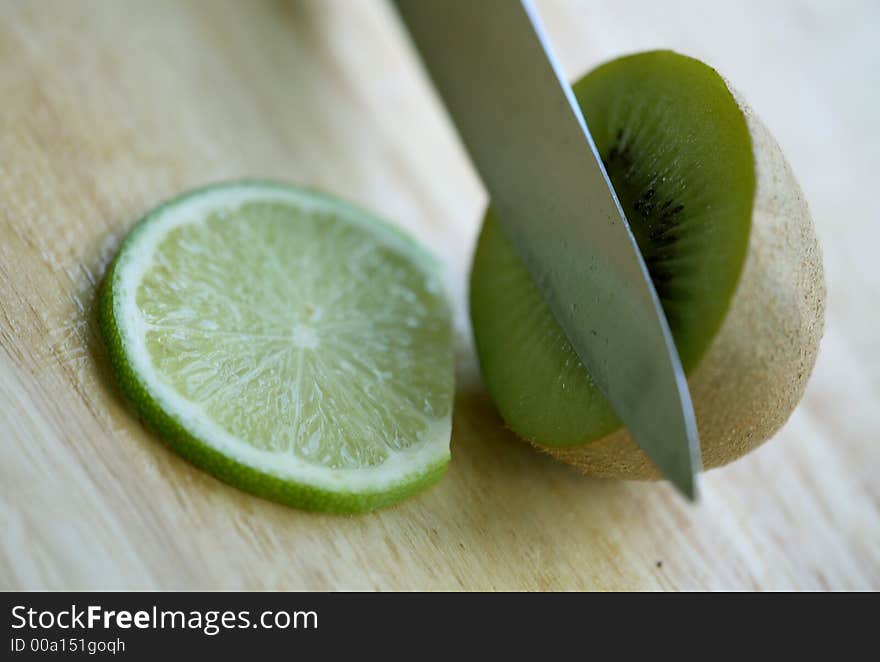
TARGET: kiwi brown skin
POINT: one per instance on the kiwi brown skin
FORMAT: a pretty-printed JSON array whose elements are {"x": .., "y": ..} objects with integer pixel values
[{"x": 756, "y": 368}]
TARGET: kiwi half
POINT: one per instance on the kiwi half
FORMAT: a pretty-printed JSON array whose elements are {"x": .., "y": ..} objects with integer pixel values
[{"x": 728, "y": 242}]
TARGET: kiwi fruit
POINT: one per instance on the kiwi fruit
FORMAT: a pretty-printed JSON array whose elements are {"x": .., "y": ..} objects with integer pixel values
[{"x": 730, "y": 246}]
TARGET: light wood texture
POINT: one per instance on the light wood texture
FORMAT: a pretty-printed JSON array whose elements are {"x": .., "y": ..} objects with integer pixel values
[{"x": 106, "y": 108}]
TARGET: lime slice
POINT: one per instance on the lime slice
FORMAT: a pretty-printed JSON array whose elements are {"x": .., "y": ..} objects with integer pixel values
[{"x": 287, "y": 343}]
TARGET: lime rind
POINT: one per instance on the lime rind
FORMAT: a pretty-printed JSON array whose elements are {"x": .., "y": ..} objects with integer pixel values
[{"x": 184, "y": 425}]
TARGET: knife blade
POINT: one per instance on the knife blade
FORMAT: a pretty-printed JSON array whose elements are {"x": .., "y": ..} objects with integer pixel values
[{"x": 493, "y": 66}]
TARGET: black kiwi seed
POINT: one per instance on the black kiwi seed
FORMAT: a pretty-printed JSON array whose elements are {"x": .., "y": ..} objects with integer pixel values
[{"x": 654, "y": 222}]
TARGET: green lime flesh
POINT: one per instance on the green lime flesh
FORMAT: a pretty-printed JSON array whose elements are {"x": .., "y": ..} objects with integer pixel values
[
  {"x": 287, "y": 343},
  {"x": 677, "y": 149}
]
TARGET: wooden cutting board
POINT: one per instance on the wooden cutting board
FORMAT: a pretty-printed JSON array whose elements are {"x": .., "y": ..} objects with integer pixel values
[{"x": 107, "y": 108}]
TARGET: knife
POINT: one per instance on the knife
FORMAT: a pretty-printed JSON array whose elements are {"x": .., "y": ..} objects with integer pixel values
[{"x": 493, "y": 66}]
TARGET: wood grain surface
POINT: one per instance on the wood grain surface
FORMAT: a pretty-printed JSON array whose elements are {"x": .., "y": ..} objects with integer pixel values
[{"x": 107, "y": 108}]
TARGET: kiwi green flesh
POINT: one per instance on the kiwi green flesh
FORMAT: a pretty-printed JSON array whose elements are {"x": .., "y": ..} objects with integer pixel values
[{"x": 677, "y": 149}]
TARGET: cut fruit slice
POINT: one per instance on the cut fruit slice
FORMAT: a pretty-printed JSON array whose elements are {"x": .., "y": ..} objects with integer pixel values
[
  {"x": 677, "y": 150},
  {"x": 287, "y": 343},
  {"x": 728, "y": 241}
]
